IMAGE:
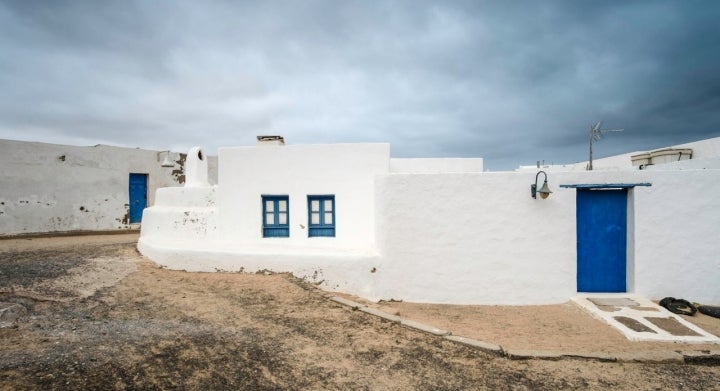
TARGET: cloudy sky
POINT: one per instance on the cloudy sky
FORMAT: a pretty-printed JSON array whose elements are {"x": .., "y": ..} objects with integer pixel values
[{"x": 510, "y": 81}]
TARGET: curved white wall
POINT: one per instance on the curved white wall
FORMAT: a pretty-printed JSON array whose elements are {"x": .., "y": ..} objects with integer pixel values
[{"x": 181, "y": 214}]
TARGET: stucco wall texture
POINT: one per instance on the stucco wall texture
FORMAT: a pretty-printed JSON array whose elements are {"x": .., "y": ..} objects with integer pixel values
[
  {"x": 481, "y": 238},
  {"x": 473, "y": 238},
  {"x": 56, "y": 188}
]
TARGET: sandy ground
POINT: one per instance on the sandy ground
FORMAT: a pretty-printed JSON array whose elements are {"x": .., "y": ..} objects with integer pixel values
[
  {"x": 564, "y": 327},
  {"x": 100, "y": 316}
]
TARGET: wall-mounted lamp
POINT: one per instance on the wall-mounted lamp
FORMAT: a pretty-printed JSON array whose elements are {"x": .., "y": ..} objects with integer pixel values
[
  {"x": 544, "y": 190},
  {"x": 167, "y": 162}
]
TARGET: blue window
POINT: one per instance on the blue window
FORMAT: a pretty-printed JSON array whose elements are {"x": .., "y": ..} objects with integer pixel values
[
  {"x": 276, "y": 222},
  {"x": 321, "y": 215}
]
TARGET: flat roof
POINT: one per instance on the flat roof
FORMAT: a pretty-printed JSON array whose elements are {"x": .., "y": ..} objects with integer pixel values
[{"x": 605, "y": 185}]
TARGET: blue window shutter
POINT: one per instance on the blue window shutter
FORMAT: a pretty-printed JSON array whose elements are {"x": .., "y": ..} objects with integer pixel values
[
  {"x": 276, "y": 216},
  {"x": 321, "y": 215}
]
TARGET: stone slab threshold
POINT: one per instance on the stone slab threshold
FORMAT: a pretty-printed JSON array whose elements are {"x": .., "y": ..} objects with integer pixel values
[
  {"x": 698, "y": 357},
  {"x": 640, "y": 319}
]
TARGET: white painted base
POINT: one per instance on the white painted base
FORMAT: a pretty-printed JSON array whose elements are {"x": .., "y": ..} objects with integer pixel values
[{"x": 330, "y": 269}]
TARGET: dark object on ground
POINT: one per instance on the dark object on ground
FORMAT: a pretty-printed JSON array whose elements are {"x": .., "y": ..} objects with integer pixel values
[
  {"x": 710, "y": 310},
  {"x": 678, "y": 306}
]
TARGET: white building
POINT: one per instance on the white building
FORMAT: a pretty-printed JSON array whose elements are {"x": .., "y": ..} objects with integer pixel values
[
  {"x": 698, "y": 155},
  {"x": 352, "y": 219},
  {"x": 62, "y": 188}
]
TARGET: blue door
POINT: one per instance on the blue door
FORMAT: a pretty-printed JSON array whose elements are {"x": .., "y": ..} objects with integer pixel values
[
  {"x": 601, "y": 240},
  {"x": 138, "y": 196}
]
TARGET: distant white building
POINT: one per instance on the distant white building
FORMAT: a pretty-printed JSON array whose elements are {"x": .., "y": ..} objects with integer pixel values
[
  {"x": 62, "y": 188},
  {"x": 352, "y": 219},
  {"x": 699, "y": 154}
]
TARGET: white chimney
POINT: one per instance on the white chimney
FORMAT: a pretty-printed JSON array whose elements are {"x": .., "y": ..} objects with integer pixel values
[
  {"x": 263, "y": 141},
  {"x": 196, "y": 168}
]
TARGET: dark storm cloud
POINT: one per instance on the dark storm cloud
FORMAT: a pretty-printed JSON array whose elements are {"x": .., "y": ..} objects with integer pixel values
[{"x": 513, "y": 83}]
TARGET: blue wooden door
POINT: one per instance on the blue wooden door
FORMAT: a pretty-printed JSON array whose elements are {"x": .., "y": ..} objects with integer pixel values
[
  {"x": 138, "y": 196},
  {"x": 601, "y": 240}
]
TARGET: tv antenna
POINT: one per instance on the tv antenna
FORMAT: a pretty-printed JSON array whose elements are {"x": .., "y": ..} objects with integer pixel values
[{"x": 595, "y": 135}]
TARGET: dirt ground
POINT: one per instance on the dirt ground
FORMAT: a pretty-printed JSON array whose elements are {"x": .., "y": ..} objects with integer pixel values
[
  {"x": 100, "y": 316},
  {"x": 563, "y": 327}
]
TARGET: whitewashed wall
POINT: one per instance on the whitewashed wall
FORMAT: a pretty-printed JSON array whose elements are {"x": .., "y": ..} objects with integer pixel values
[
  {"x": 181, "y": 214},
  {"x": 481, "y": 238},
  {"x": 677, "y": 226},
  {"x": 345, "y": 170},
  {"x": 703, "y": 149},
  {"x": 49, "y": 187},
  {"x": 463, "y": 238},
  {"x": 473, "y": 239},
  {"x": 188, "y": 230},
  {"x": 436, "y": 165}
]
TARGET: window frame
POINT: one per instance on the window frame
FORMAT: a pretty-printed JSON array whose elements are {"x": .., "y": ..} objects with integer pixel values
[
  {"x": 321, "y": 229},
  {"x": 276, "y": 229}
]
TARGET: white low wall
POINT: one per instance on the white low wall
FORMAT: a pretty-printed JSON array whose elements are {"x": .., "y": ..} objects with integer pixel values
[
  {"x": 331, "y": 270},
  {"x": 181, "y": 214},
  {"x": 435, "y": 165}
]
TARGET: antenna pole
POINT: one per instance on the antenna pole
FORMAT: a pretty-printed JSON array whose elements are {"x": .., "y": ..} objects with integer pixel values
[
  {"x": 596, "y": 133},
  {"x": 590, "y": 167}
]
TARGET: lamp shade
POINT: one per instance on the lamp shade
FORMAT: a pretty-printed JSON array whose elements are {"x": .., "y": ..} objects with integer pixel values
[
  {"x": 167, "y": 162},
  {"x": 544, "y": 191}
]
